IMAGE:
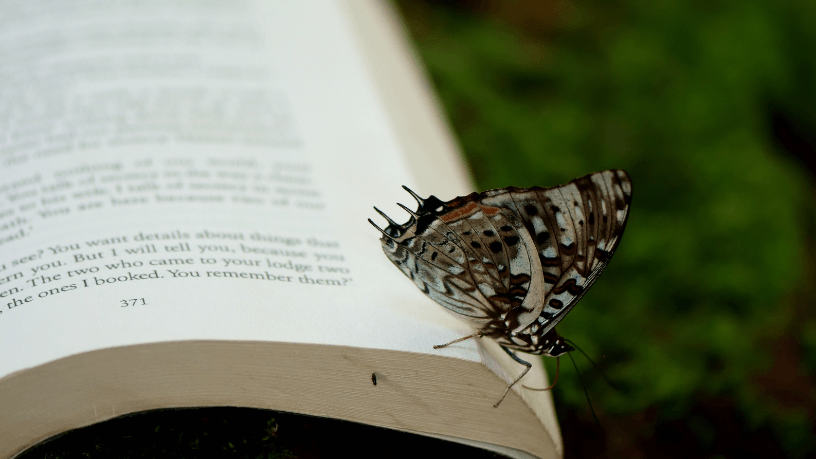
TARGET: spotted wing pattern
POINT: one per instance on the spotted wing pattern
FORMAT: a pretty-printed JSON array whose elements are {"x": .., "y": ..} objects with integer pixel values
[{"x": 514, "y": 261}]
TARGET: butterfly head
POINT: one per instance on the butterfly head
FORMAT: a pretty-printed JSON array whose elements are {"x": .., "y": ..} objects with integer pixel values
[{"x": 559, "y": 347}]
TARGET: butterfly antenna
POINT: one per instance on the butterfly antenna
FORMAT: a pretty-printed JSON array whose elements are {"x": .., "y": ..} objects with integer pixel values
[
  {"x": 381, "y": 230},
  {"x": 608, "y": 381},
  {"x": 408, "y": 210},
  {"x": 557, "y": 371},
  {"x": 419, "y": 200},
  {"x": 592, "y": 410},
  {"x": 391, "y": 222}
]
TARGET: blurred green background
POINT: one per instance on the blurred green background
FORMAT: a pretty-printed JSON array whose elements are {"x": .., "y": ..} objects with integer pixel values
[{"x": 704, "y": 318}]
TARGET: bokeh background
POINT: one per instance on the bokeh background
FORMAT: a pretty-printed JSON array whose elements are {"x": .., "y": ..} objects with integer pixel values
[{"x": 704, "y": 319}]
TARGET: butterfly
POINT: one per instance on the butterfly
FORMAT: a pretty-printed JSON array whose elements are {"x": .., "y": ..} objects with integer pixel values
[{"x": 513, "y": 261}]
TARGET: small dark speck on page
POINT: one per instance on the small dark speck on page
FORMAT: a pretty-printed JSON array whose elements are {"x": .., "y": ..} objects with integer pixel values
[{"x": 374, "y": 378}]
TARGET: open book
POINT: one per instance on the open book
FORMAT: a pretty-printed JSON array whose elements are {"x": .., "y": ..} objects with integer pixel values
[{"x": 183, "y": 200}]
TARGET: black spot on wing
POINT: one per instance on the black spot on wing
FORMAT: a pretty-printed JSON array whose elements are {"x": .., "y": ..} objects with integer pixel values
[{"x": 496, "y": 247}]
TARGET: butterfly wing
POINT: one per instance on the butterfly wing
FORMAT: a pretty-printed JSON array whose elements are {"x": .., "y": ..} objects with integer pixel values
[{"x": 506, "y": 258}]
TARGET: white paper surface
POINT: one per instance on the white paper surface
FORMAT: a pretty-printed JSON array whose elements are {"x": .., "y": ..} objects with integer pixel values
[{"x": 174, "y": 172}]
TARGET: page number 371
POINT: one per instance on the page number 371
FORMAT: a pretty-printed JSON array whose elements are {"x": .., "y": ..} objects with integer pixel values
[{"x": 132, "y": 302}]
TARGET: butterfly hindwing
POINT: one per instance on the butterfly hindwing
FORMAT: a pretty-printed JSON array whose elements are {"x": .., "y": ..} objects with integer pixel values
[
  {"x": 439, "y": 276},
  {"x": 480, "y": 231}
]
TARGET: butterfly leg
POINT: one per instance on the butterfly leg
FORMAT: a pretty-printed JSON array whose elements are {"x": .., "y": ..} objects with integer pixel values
[
  {"x": 526, "y": 364},
  {"x": 475, "y": 335},
  {"x": 557, "y": 370}
]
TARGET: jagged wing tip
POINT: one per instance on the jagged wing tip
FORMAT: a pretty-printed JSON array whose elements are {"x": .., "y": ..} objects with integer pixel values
[
  {"x": 419, "y": 200},
  {"x": 413, "y": 214}
]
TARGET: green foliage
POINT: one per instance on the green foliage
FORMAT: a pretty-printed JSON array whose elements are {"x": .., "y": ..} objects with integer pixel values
[{"x": 681, "y": 95}]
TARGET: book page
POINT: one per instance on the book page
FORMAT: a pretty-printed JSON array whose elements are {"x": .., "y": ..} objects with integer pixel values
[{"x": 171, "y": 171}]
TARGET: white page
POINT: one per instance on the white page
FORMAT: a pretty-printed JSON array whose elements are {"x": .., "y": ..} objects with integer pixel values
[{"x": 238, "y": 142}]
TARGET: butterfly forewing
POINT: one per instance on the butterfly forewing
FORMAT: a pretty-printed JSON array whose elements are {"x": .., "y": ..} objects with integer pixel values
[
  {"x": 515, "y": 260},
  {"x": 595, "y": 238}
]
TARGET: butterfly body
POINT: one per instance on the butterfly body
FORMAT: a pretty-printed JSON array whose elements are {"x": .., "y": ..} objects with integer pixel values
[{"x": 513, "y": 261}]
